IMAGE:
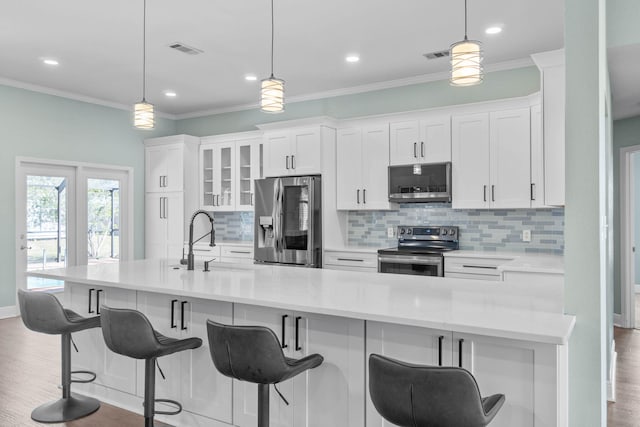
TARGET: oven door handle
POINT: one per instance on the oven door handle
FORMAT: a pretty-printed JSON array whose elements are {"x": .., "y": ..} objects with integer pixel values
[{"x": 410, "y": 260}]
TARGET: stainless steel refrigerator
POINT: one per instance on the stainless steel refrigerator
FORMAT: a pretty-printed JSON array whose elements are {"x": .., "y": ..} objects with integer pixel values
[{"x": 288, "y": 223}]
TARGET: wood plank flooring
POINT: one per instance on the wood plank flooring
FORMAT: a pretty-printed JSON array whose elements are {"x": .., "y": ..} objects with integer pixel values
[
  {"x": 29, "y": 377},
  {"x": 625, "y": 411}
]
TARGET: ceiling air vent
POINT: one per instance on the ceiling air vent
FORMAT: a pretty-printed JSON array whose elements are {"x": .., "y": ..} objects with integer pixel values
[
  {"x": 436, "y": 55},
  {"x": 185, "y": 48}
]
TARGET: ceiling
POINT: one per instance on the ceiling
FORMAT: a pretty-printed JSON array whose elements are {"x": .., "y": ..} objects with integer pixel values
[{"x": 99, "y": 45}]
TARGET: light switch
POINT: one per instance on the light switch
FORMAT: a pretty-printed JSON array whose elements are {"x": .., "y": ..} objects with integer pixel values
[{"x": 391, "y": 231}]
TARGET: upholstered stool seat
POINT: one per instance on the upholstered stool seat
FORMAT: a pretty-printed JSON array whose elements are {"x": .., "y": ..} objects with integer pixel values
[
  {"x": 129, "y": 332},
  {"x": 253, "y": 354},
  {"x": 42, "y": 312},
  {"x": 410, "y": 395}
]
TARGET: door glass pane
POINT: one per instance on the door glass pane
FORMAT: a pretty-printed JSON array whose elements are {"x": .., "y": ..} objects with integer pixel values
[
  {"x": 245, "y": 174},
  {"x": 103, "y": 221},
  {"x": 296, "y": 217},
  {"x": 46, "y": 240},
  {"x": 225, "y": 176}
]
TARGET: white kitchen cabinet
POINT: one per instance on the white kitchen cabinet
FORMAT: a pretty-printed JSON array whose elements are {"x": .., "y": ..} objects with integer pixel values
[
  {"x": 479, "y": 268},
  {"x": 191, "y": 377},
  {"x": 164, "y": 225},
  {"x": 492, "y": 160},
  {"x": 112, "y": 370},
  {"x": 361, "y": 170},
  {"x": 420, "y": 141},
  {"x": 331, "y": 394},
  {"x": 236, "y": 253},
  {"x": 350, "y": 261},
  {"x": 406, "y": 343},
  {"x": 228, "y": 169},
  {"x": 163, "y": 167},
  {"x": 293, "y": 152},
  {"x": 537, "y": 158},
  {"x": 552, "y": 81}
]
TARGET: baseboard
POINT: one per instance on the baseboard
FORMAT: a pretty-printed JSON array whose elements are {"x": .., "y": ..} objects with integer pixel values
[
  {"x": 611, "y": 382},
  {"x": 618, "y": 320},
  {"x": 8, "y": 311}
]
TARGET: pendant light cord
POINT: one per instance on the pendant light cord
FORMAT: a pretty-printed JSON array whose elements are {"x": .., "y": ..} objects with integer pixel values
[
  {"x": 144, "y": 50},
  {"x": 465, "y": 19},
  {"x": 272, "y": 38}
]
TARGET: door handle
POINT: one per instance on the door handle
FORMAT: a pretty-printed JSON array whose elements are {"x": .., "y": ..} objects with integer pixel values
[
  {"x": 415, "y": 144},
  {"x": 284, "y": 319},
  {"x": 422, "y": 149},
  {"x": 298, "y": 348},
  {"x": 460, "y": 341},
  {"x": 182, "y": 304},
  {"x": 251, "y": 199},
  {"x": 90, "y": 310},
  {"x": 160, "y": 180},
  {"x": 440, "y": 339},
  {"x": 293, "y": 161},
  {"x": 484, "y": 192},
  {"x": 493, "y": 193},
  {"x": 22, "y": 248},
  {"x": 358, "y": 195},
  {"x": 287, "y": 162},
  {"x": 364, "y": 196},
  {"x": 161, "y": 199},
  {"x": 173, "y": 311},
  {"x": 166, "y": 180},
  {"x": 533, "y": 191},
  {"x": 98, "y": 301}
]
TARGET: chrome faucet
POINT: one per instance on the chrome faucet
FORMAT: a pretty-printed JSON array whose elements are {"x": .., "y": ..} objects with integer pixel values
[{"x": 190, "y": 257}]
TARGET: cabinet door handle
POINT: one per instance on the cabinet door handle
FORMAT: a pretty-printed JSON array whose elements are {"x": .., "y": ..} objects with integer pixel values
[
  {"x": 240, "y": 252},
  {"x": 166, "y": 207},
  {"x": 364, "y": 196},
  {"x": 493, "y": 193},
  {"x": 160, "y": 177},
  {"x": 284, "y": 319},
  {"x": 415, "y": 144},
  {"x": 166, "y": 180},
  {"x": 460, "y": 341},
  {"x": 98, "y": 301},
  {"x": 90, "y": 310},
  {"x": 422, "y": 149},
  {"x": 440, "y": 339},
  {"x": 182, "y": 304},
  {"x": 298, "y": 348},
  {"x": 358, "y": 196},
  {"x": 161, "y": 207},
  {"x": 484, "y": 192},
  {"x": 173, "y": 314},
  {"x": 350, "y": 259},
  {"x": 293, "y": 161},
  {"x": 286, "y": 161},
  {"x": 533, "y": 191}
]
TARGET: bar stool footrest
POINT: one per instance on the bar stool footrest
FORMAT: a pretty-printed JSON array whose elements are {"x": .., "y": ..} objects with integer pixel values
[
  {"x": 170, "y": 402},
  {"x": 90, "y": 380}
]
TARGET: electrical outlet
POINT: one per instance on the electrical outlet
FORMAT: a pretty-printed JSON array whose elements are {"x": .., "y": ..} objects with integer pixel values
[
  {"x": 526, "y": 235},
  {"x": 391, "y": 232}
]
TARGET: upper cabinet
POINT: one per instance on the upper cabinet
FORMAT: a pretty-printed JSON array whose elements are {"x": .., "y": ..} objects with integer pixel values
[
  {"x": 492, "y": 160},
  {"x": 362, "y": 160},
  {"x": 552, "y": 80},
  {"x": 420, "y": 141},
  {"x": 228, "y": 169},
  {"x": 167, "y": 161},
  {"x": 293, "y": 152}
]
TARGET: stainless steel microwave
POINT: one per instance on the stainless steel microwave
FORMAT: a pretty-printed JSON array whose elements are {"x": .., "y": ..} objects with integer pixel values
[{"x": 420, "y": 183}]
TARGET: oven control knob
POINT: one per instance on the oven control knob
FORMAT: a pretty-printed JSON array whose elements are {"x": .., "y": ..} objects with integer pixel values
[
  {"x": 408, "y": 231},
  {"x": 402, "y": 231},
  {"x": 452, "y": 232},
  {"x": 444, "y": 232}
]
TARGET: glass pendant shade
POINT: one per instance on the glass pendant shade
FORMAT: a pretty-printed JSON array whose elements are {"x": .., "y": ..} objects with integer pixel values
[
  {"x": 466, "y": 63},
  {"x": 143, "y": 117},
  {"x": 272, "y": 95}
]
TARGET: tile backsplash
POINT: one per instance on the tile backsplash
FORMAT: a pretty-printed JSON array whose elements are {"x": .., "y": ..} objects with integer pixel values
[{"x": 482, "y": 230}]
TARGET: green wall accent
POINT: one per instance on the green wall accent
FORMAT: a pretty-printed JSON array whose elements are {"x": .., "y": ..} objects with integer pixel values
[
  {"x": 496, "y": 85},
  {"x": 585, "y": 203},
  {"x": 50, "y": 127},
  {"x": 626, "y": 133},
  {"x": 622, "y": 22}
]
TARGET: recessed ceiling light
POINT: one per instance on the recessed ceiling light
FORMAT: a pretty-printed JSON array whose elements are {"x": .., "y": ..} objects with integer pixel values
[
  {"x": 170, "y": 94},
  {"x": 493, "y": 30},
  {"x": 250, "y": 78},
  {"x": 352, "y": 58},
  {"x": 50, "y": 61}
]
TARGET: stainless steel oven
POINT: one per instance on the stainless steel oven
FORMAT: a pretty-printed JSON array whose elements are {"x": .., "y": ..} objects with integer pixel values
[{"x": 419, "y": 251}]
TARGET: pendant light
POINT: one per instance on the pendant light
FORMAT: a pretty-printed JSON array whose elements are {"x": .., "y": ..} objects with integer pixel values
[
  {"x": 466, "y": 59},
  {"x": 143, "y": 117},
  {"x": 272, "y": 89}
]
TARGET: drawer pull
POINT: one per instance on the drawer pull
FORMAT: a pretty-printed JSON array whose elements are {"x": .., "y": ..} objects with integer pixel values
[
  {"x": 240, "y": 252},
  {"x": 351, "y": 259},
  {"x": 488, "y": 267},
  {"x": 440, "y": 339}
]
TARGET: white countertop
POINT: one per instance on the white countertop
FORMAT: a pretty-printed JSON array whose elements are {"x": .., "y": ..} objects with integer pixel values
[
  {"x": 467, "y": 306},
  {"x": 517, "y": 261},
  {"x": 354, "y": 249}
]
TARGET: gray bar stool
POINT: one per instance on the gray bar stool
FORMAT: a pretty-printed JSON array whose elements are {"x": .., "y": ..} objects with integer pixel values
[
  {"x": 129, "y": 332},
  {"x": 253, "y": 354},
  {"x": 42, "y": 312},
  {"x": 428, "y": 396}
]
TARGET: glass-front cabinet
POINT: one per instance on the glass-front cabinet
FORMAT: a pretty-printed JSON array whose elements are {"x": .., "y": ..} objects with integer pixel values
[{"x": 228, "y": 169}]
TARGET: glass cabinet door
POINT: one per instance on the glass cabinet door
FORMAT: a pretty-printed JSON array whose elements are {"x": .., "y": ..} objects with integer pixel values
[
  {"x": 206, "y": 160},
  {"x": 224, "y": 161},
  {"x": 248, "y": 164}
]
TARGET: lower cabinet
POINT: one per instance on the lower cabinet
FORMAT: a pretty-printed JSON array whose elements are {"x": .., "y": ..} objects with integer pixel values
[
  {"x": 112, "y": 370},
  {"x": 525, "y": 372},
  {"x": 191, "y": 377},
  {"x": 329, "y": 395}
]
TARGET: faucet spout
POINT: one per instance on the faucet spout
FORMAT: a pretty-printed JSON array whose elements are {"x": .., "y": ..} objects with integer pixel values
[{"x": 190, "y": 256}]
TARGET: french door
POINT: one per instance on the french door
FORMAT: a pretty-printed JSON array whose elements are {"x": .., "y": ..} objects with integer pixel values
[{"x": 70, "y": 214}]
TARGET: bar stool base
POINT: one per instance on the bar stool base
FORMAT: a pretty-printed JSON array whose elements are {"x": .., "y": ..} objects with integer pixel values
[{"x": 68, "y": 409}]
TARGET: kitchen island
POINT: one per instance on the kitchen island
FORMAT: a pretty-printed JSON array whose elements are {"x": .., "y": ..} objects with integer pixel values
[{"x": 506, "y": 333}]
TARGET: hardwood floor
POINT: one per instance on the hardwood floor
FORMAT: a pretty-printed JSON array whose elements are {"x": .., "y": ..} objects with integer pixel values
[
  {"x": 625, "y": 412},
  {"x": 29, "y": 377}
]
